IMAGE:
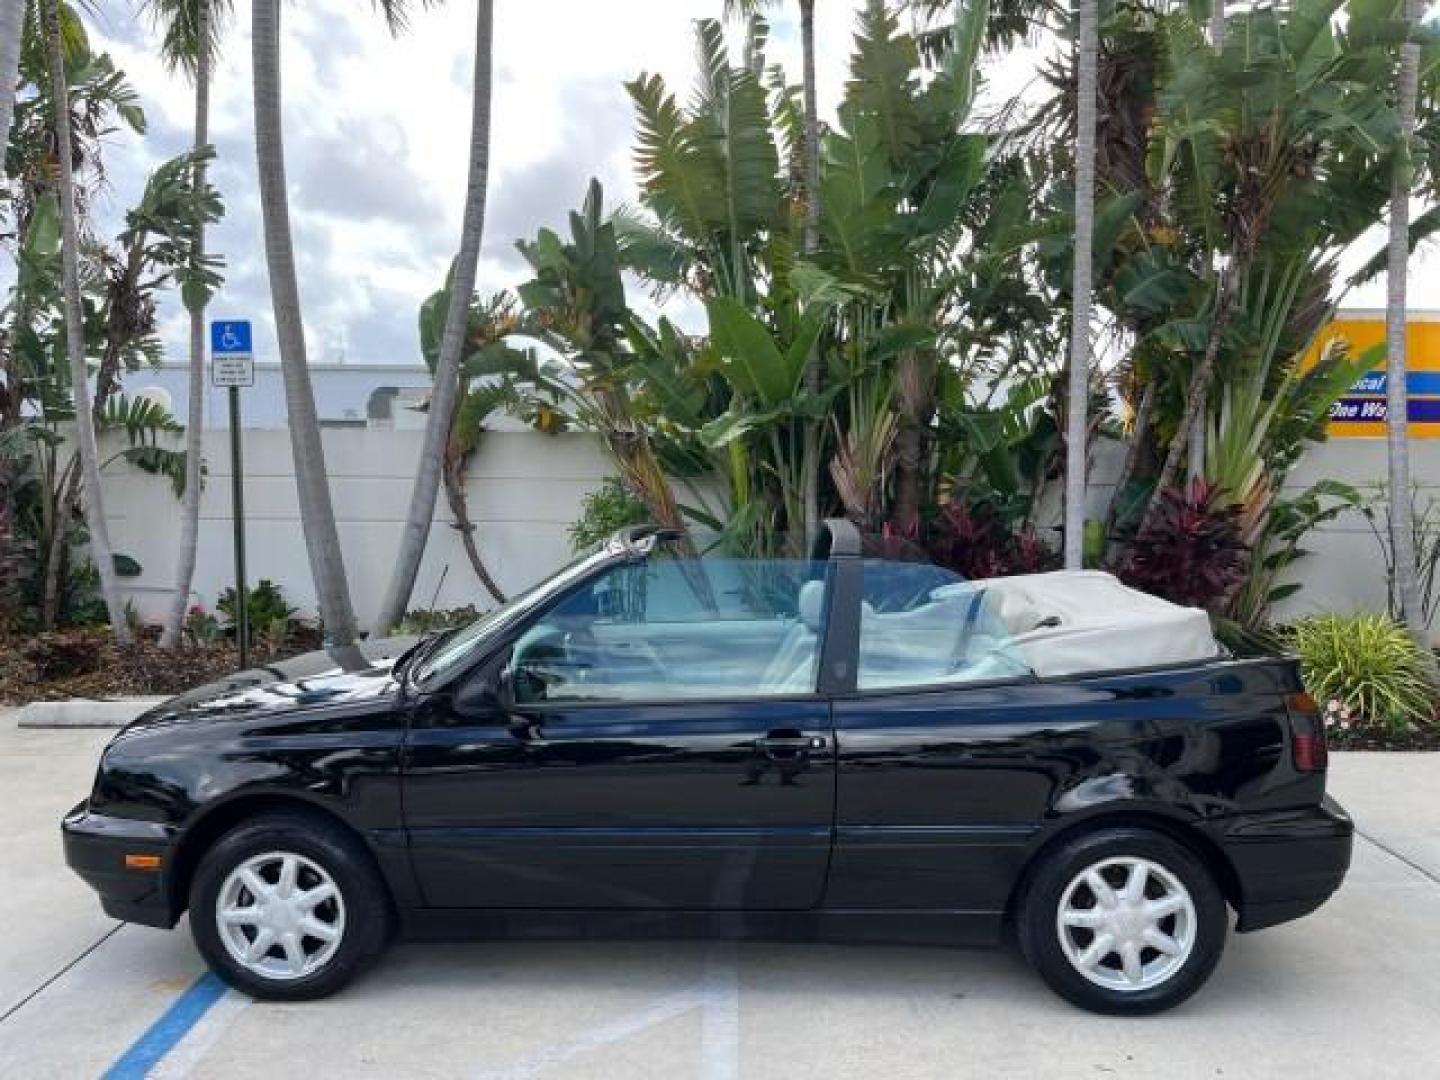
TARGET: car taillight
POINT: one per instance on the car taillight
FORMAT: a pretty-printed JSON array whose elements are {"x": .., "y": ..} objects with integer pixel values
[{"x": 1307, "y": 734}]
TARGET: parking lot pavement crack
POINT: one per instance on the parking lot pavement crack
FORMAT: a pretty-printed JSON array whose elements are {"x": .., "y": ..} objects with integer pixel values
[
  {"x": 1423, "y": 871},
  {"x": 33, "y": 994}
]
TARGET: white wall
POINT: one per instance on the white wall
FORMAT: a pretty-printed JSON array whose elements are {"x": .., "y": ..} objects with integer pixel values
[
  {"x": 525, "y": 490},
  {"x": 1346, "y": 570}
]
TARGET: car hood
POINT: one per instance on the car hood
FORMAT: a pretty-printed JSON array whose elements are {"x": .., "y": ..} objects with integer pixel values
[{"x": 336, "y": 676}]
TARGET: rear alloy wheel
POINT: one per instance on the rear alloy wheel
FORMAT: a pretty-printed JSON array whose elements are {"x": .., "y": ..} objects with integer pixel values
[
  {"x": 288, "y": 907},
  {"x": 1123, "y": 921}
]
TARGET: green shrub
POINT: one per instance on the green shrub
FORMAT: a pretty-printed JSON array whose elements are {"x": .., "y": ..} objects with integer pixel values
[
  {"x": 1369, "y": 664},
  {"x": 609, "y": 507},
  {"x": 269, "y": 616},
  {"x": 428, "y": 621}
]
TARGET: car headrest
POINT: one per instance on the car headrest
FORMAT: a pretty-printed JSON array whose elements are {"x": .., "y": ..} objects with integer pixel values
[{"x": 810, "y": 604}]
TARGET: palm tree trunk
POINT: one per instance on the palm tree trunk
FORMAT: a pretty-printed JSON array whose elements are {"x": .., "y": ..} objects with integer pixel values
[
  {"x": 1402, "y": 535},
  {"x": 12, "y": 19},
  {"x": 75, "y": 334},
  {"x": 914, "y": 383},
  {"x": 1195, "y": 453},
  {"x": 317, "y": 512},
  {"x": 1217, "y": 24},
  {"x": 460, "y": 508},
  {"x": 452, "y": 344},
  {"x": 1076, "y": 426},
  {"x": 195, "y": 417},
  {"x": 810, "y": 458},
  {"x": 1194, "y": 392},
  {"x": 1132, "y": 453},
  {"x": 66, "y": 491}
]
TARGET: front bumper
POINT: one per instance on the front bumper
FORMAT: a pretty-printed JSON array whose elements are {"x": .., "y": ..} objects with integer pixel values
[
  {"x": 96, "y": 847},
  {"x": 1287, "y": 863}
]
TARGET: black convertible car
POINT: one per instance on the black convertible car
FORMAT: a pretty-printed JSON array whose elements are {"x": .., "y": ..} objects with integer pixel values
[{"x": 654, "y": 743}]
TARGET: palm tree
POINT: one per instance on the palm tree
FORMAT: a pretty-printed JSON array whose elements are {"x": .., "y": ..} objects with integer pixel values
[
  {"x": 190, "y": 42},
  {"x": 810, "y": 240},
  {"x": 1402, "y": 536},
  {"x": 1195, "y": 456},
  {"x": 447, "y": 383},
  {"x": 12, "y": 19},
  {"x": 1076, "y": 456},
  {"x": 75, "y": 331},
  {"x": 317, "y": 512}
]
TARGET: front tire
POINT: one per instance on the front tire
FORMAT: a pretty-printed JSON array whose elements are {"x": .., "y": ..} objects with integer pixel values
[
  {"x": 288, "y": 907},
  {"x": 1123, "y": 921}
]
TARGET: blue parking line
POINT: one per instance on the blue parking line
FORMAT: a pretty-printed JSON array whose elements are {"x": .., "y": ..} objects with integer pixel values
[{"x": 161, "y": 1037}]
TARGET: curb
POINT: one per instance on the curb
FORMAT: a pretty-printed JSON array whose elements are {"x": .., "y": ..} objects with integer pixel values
[{"x": 84, "y": 713}]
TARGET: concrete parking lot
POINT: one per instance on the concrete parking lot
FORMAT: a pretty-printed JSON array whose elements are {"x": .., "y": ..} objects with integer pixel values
[{"x": 1351, "y": 991}]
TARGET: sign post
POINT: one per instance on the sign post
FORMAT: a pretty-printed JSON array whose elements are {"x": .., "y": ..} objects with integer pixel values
[{"x": 232, "y": 365}]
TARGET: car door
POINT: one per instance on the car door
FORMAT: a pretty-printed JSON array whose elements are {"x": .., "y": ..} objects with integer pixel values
[
  {"x": 948, "y": 750},
  {"x": 654, "y": 739}
]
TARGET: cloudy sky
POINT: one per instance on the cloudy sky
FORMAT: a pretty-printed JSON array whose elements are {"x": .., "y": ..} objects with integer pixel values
[{"x": 376, "y": 135}]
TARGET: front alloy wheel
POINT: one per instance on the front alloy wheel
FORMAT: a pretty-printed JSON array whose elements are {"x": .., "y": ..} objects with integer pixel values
[
  {"x": 289, "y": 906},
  {"x": 281, "y": 915}
]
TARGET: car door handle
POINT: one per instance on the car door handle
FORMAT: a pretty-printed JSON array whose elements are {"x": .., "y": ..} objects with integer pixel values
[{"x": 793, "y": 743}]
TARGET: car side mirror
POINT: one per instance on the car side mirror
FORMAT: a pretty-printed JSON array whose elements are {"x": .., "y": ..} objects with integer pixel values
[{"x": 488, "y": 695}]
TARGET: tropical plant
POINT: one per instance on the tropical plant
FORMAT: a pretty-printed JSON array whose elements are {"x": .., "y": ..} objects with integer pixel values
[
  {"x": 575, "y": 305},
  {"x": 484, "y": 384},
  {"x": 1193, "y": 553},
  {"x": 977, "y": 541},
  {"x": 440, "y": 426},
  {"x": 1369, "y": 663},
  {"x": 1277, "y": 546},
  {"x": 119, "y": 306},
  {"x": 89, "y": 455},
  {"x": 201, "y": 627},
  {"x": 266, "y": 611},
  {"x": 810, "y": 242},
  {"x": 191, "y": 31},
  {"x": 609, "y": 507},
  {"x": 1264, "y": 152},
  {"x": 50, "y": 486}
]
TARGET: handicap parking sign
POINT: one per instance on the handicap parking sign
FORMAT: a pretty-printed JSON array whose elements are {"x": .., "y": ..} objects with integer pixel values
[{"x": 232, "y": 361}]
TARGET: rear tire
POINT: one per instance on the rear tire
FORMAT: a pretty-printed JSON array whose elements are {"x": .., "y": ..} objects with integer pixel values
[
  {"x": 1122, "y": 921},
  {"x": 288, "y": 907}
]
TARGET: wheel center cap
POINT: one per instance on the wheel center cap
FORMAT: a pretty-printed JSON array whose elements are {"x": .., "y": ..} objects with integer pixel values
[{"x": 1129, "y": 922}]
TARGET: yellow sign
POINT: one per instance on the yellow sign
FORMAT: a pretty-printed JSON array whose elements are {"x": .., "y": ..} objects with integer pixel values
[{"x": 1360, "y": 414}]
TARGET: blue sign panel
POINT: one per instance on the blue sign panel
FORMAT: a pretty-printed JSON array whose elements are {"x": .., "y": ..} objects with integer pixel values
[
  {"x": 1365, "y": 404},
  {"x": 230, "y": 336}
]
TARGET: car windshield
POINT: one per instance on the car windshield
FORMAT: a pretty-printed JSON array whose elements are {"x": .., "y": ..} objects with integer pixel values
[{"x": 455, "y": 650}]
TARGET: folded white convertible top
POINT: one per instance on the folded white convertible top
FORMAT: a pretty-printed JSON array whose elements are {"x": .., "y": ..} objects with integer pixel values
[{"x": 1074, "y": 621}]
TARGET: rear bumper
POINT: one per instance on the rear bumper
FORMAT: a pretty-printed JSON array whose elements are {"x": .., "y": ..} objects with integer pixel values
[
  {"x": 1287, "y": 863},
  {"x": 96, "y": 847}
]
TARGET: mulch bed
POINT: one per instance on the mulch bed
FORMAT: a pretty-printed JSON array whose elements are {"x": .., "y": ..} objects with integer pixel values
[
  {"x": 1427, "y": 738},
  {"x": 88, "y": 664}
]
